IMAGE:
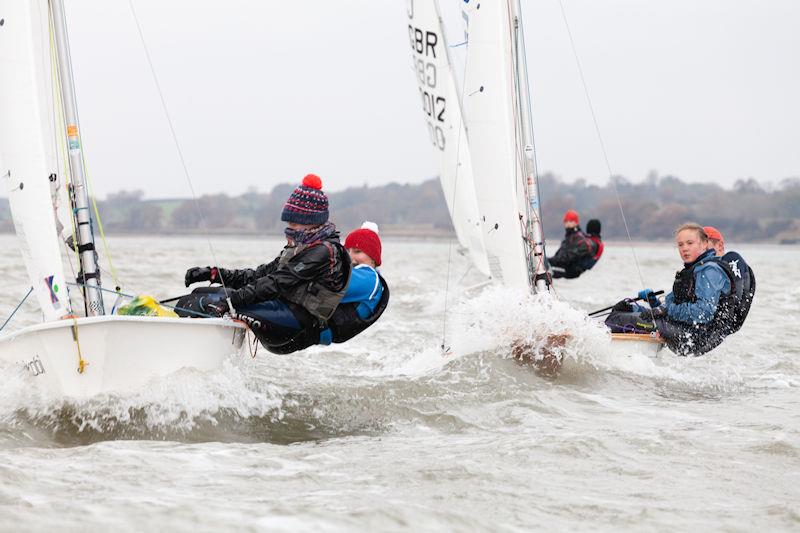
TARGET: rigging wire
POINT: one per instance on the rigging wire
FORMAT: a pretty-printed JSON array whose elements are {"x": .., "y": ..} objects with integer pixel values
[
  {"x": 454, "y": 197},
  {"x": 16, "y": 309},
  {"x": 184, "y": 166},
  {"x": 600, "y": 139}
]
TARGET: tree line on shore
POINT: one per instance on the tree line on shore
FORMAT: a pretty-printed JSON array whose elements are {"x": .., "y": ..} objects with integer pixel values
[{"x": 747, "y": 211}]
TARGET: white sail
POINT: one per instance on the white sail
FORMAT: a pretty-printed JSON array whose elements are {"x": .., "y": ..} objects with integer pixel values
[
  {"x": 492, "y": 123},
  {"x": 442, "y": 109},
  {"x": 27, "y": 147}
]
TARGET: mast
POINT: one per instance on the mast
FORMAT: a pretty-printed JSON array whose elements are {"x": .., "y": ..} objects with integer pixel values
[
  {"x": 540, "y": 280},
  {"x": 87, "y": 255}
]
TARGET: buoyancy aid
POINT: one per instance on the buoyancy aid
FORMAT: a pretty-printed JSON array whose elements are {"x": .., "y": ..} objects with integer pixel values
[
  {"x": 345, "y": 323},
  {"x": 699, "y": 338},
  {"x": 599, "y": 244},
  {"x": 741, "y": 269},
  {"x": 319, "y": 300}
]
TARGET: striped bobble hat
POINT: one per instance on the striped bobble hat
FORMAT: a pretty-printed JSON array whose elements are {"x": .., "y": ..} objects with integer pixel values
[{"x": 307, "y": 203}]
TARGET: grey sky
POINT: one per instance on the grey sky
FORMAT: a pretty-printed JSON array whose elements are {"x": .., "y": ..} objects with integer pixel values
[{"x": 262, "y": 92}]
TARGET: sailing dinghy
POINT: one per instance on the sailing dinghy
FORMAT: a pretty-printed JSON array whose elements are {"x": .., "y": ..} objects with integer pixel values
[
  {"x": 484, "y": 136},
  {"x": 41, "y": 167}
]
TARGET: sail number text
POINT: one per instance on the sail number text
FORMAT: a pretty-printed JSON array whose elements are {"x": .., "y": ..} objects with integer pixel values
[{"x": 424, "y": 44}]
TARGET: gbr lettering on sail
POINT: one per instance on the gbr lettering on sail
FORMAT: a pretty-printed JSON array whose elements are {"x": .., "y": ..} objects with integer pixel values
[{"x": 426, "y": 44}]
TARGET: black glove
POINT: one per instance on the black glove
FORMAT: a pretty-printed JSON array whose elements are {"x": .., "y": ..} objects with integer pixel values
[
  {"x": 196, "y": 274},
  {"x": 623, "y": 306},
  {"x": 652, "y": 314},
  {"x": 217, "y": 308}
]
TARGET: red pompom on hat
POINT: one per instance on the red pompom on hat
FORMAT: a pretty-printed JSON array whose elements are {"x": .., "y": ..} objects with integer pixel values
[
  {"x": 307, "y": 204},
  {"x": 713, "y": 233},
  {"x": 367, "y": 240},
  {"x": 313, "y": 181},
  {"x": 571, "y": 215}
]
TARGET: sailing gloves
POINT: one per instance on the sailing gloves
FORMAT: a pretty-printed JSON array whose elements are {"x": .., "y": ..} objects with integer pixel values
[
  {"x": 623, "y": 306},
  {"x": 196, "y": 274},
  {"x": 652, "y": 299},
  {"x": 217, "y": 308}
]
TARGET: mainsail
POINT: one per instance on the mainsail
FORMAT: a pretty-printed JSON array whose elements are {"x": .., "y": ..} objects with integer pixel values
[
  {"x": 28, "y": 156},
  {"x": 494, "y": 142},
  {"x": 441, "y": 105}
]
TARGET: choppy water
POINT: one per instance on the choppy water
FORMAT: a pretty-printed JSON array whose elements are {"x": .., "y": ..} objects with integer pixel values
[{"x": 386, "y": 433}]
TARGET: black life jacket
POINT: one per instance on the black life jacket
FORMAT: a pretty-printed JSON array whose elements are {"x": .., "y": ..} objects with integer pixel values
[
  {"x": 345, "y": 323},
  {"x": 741, "y": 270},
  {"x": 313, "y": 296},
  {"x": 699, "y": 338}
]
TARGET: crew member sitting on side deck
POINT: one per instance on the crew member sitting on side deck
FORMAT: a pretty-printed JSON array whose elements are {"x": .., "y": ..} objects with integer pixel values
[
  {"x": 299, "y": 289},
  {"x": 707, "y": 303},
  {"x": 577, "y": 252}
]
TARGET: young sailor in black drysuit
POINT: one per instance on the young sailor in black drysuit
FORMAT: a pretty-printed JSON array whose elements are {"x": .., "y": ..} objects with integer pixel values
[
  {"x": 710, "y": 299},
  {"x": 298, "y": 289},
  {"x": 288, "y": 302},
  {"x": 577, "y": 253}
]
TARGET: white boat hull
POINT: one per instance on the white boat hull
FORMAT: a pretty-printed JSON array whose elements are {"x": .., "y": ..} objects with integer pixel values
[
  {"x": 635, "y": 344},
  {"x": 120, "y": 352}
]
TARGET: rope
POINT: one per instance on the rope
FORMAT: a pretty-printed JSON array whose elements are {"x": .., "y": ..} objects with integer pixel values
[
  {"x": 175, "y": 140},
  {"x": 16, "y": 309},
  {"x": 600, "y": 139},
  {"x": 461, "y": 128},
  {"x": 106, "y": 248},
  {"x": 81, "y": 361}
]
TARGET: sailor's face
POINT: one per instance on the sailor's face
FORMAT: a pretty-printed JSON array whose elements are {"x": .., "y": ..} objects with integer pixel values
[
  {"x": 717, "y": 245},
  {"x": 690, "y": 246},
  {"x": 359, "y": 257},
  {"x": 569, "y": 224}
]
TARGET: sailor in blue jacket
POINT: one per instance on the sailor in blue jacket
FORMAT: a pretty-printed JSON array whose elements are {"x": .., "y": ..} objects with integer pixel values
[
  {"x": 367, "y": 293},
  {"x": 703, "y": 307}
]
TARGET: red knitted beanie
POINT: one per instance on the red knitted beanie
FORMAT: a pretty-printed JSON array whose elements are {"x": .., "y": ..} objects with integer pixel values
[{"x": 367, "y": 241}]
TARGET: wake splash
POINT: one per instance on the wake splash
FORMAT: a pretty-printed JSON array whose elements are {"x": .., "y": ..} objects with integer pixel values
[
  {"x": 233, "y": 404},
  {"x": 490, "y": 323},
  {"x": 497, "y": 318}
]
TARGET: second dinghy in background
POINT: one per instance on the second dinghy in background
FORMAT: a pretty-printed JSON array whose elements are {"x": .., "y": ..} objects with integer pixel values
[{"x": 499, "y": 146}]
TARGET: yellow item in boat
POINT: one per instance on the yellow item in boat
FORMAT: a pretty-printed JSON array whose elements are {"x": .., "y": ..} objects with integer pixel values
[{"x": 144, "y": 305}]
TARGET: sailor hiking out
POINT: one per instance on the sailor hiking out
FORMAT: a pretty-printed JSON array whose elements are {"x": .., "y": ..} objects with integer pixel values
[
  {"x": 291, "y": 301},
  {"x": 364, "y": 301},
  {"x": 710, "y": 298},
  {"x": 578, "y": 252}
]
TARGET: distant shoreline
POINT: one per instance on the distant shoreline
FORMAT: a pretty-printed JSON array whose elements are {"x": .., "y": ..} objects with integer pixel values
[{"x": 390, "y": 234}]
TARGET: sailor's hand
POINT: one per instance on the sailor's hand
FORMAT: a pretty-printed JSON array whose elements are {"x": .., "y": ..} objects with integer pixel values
[
  {"x": 650, "y": 297},
  {"x": 217, "y": 308},
  {"x": 197, "y": 274}
]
